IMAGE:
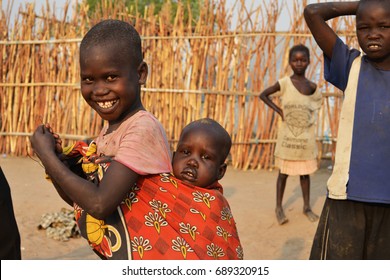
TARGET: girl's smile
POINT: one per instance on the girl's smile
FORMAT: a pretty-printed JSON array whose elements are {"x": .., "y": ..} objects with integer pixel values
[{"x": 107, "y": 104}]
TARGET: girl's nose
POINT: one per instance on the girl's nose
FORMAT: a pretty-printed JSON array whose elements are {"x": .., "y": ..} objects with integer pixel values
[{"x": 100, "y": 89}]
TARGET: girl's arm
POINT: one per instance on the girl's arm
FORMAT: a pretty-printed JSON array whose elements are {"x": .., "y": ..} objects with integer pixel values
[
  {"x": 98, "y": 201},
  {"x": 61, "y": 193},
  {"x": 58, "y": 150},
  {"x": 316, "y": 16},
  {"x": 265, "y": 97}
]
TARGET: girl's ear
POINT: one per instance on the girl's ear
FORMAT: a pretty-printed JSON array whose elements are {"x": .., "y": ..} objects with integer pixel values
[
  {"x": 142, "y": 73},
  {"x": 221, "y": 171}
]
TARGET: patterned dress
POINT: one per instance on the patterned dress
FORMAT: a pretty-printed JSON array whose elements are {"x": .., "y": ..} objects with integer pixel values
[{"x": 160, "y": 218}]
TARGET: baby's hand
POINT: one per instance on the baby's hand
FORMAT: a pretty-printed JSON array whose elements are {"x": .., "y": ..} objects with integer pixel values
[
  {"x": 57, "y": 138},
  {"x": 102, "y": 159}
]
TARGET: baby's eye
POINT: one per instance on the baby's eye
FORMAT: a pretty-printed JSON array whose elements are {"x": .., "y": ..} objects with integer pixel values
[
  {"x": 205, "y": 157},
  {"x": 186, "y": 152}
]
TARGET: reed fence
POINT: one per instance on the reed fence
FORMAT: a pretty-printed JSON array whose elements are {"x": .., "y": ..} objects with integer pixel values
[{"x": 212, "y": 66}]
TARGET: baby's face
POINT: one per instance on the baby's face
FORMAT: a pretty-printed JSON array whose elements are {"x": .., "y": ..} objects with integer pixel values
[
  {"x": 197, "y": 160},
  {"x": 109, "y": 83}
]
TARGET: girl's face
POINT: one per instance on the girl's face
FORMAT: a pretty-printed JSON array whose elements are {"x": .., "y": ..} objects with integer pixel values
[
  {"x": 111, "y": 84},
  {"x": 373, "y": 32},
  {"x": 197, "y": 160},
  {"x": 299, "y": 62}
]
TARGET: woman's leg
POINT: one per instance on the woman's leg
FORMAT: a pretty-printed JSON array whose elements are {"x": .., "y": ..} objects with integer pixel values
[
  {"x": 280, "y": 187},
  {"x": 305, "y": 186}
]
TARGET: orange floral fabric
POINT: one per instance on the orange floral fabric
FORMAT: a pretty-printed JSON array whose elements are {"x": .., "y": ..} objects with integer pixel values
[{"x": 160, "y": 218}]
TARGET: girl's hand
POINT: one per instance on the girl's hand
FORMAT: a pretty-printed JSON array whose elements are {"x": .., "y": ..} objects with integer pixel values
[
  {"x": 57, "y": 138},
  {"x": 43, "y": 141}
]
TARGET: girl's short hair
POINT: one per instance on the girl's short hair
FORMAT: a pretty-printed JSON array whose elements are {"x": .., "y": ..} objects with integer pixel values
[
  {"x": 299, "y": 48},
  {"x": 115, "y": 33}
]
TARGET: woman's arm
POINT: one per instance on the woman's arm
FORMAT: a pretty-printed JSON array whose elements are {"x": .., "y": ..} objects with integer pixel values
[
  {"x": 316, "y": 16},
  {"x": 265, "y": 97}
]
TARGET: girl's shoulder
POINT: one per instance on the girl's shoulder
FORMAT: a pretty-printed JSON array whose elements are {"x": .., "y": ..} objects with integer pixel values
[
  {"x": 284, "y": 80},
  {"x": 141, "y": 118},
  {"x": 284, "y": 83}
]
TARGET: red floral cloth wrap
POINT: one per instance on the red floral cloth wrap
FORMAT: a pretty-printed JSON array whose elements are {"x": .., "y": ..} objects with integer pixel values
[{"x": 160, "y": 218}]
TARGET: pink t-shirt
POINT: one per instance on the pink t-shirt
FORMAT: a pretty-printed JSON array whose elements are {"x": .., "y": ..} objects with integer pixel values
[{"x": 140, "y": 143}]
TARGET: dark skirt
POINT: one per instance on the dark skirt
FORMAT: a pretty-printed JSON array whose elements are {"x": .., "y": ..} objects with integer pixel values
[
  {"x": 9, "y": 233},
  {"x": 352, "y": 230}
]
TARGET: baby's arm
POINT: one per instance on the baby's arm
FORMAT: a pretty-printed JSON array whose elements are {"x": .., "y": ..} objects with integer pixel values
[
  {"x": 265, "y": 97},
  {"x": 316, "y": 16}
]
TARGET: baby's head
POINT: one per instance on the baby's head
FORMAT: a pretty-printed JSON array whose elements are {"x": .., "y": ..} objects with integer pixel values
[
  {"x": 112, "y": 70},
  {"x": 373, "y": 30},
  {"x": 201, "y": 153}
]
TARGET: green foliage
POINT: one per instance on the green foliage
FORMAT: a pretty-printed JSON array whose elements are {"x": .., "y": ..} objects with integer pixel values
[{"x": 140, "y": 6}]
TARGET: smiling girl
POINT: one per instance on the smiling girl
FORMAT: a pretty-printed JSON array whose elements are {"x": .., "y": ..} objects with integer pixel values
[{"x": 132, "y": 144}]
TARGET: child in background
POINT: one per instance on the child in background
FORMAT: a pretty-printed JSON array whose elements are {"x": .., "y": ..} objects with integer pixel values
[
  {"x": 112, "y": 72},
  {"x": 355, "y": 221},
  {"x": 296, "y": 148}
]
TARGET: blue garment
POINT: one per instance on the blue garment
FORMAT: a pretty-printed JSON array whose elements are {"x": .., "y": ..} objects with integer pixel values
[{"x": 369, "y": 179}]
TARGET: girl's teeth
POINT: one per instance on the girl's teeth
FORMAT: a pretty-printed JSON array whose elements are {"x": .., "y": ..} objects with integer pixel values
[{"x": 106, "y": 104}]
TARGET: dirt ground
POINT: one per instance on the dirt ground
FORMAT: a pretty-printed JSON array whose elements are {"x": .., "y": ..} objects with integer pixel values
[{"x": 251, "y": 195}]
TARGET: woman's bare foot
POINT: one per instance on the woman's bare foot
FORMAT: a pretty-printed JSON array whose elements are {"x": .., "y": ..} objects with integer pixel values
[
  {"x": 310, "y": 215},
  {"x": 280, "y": 216}
]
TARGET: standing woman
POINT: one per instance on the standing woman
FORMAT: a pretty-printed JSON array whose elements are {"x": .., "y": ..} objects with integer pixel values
[{"x": 296, "y": 147}]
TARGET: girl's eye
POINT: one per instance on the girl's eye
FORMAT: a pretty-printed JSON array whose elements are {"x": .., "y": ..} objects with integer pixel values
[
  {"x": 205, "y": 157},
  {"x": 111, "y": 78},
  {"x": 87, "y": 80},
  {"x": 186, "y": 152}
]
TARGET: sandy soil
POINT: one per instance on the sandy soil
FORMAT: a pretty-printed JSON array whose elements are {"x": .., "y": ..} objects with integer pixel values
[{"x": 251, "y": 195}]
